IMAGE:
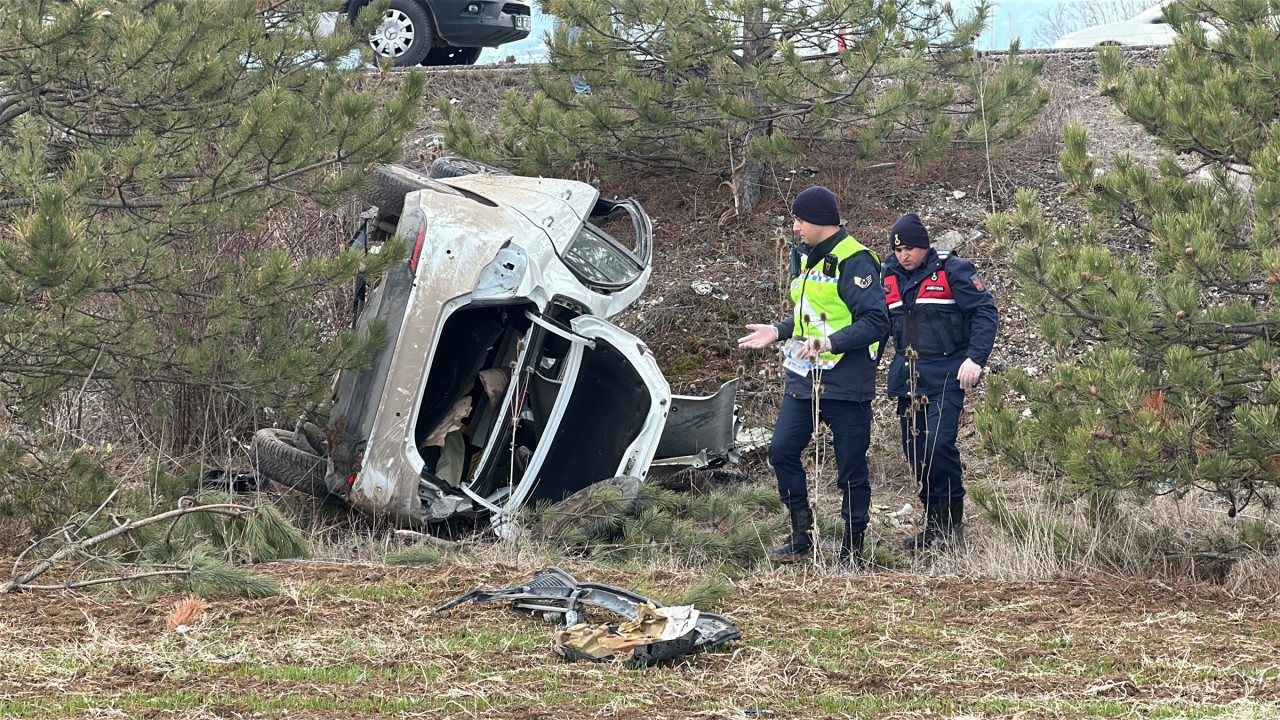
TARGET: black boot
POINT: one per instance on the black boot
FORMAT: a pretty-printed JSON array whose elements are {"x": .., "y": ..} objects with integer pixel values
[
  {"x": 935, "y": 520},
  {"x": 798, "y": 547},
  {"x": 851, "y": 548},
  {"x": 957, "y": 522}
]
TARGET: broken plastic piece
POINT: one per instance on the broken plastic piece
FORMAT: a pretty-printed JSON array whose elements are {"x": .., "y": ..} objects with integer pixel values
[
  {"x": 234, "y": 480},
  {"x": 656, "y": 634},
  {"x": 555, "y": 593}
]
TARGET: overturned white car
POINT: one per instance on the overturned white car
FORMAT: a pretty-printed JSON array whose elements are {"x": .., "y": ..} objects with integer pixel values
[{"x": 502, "y": 381}]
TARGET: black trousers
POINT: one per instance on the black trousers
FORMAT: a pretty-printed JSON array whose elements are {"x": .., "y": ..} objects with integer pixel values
[
  {"x": 850, "y": 423},
  {"x": 929, "y": 443}
]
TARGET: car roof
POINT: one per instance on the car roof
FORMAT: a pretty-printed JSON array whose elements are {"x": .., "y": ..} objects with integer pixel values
[
  {"x": 1139, "y": 25},
  {"x": 1151, "y": 13}
]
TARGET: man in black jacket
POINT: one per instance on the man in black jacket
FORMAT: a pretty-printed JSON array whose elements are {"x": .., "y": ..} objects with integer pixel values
[
  {"x": 944, "y": 326},
  {"x": 830, "y": 355}
]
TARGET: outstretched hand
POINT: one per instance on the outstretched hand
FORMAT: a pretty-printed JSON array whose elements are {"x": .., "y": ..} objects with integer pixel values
[
  {"x": 968, "y": 374},
  {"x": 762, "y": 336}
]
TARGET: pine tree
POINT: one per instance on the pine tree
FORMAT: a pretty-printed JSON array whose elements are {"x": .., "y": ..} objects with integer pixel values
[
  {"x": 723, "y": 86},
  {"x": 142, "y": 145},
  {"x": 1167, "y": 349}
]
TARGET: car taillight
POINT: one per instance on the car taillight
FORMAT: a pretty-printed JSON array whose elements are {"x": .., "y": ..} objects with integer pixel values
[{"x": 417, "y": 246}]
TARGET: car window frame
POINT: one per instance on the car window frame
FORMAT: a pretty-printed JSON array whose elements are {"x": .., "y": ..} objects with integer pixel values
[{"x": 638, "y": 257}]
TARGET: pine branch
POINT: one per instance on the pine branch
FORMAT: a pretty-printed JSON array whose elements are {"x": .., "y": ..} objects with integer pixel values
[
  {"x": 18, "y": 582},
  {"x": 103, "y": 581}
]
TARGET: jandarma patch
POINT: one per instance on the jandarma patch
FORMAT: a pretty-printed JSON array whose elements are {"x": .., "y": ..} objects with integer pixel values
[{"x": 864, "y": 282}]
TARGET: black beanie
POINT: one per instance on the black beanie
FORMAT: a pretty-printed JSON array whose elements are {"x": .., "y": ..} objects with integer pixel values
[
  {"x": 908, "y": 232},
  {"x": 816, "y": 205}
]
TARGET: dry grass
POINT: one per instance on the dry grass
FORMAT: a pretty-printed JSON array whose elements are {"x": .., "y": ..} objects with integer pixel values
[{"x": 356, "y": 639}]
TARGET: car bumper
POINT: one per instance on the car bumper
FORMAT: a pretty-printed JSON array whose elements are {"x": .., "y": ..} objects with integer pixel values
[{"x": 490, "y": 24}]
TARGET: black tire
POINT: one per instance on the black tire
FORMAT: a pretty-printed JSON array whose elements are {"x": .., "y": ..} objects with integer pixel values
[
  {"x": 450, "y": 167},
  {"x": 391, "y": 183},
  {"x": 410, "y": 35},
  {"x": 275, "y": 458},
  {"x": 449, "y": 55}
]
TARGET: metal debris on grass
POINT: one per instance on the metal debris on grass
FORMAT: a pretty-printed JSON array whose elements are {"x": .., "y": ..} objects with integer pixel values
[{"x": 650, "y": 632}]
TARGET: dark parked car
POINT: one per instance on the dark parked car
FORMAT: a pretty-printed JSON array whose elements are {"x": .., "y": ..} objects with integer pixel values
[{"x": 446, "y": 32}]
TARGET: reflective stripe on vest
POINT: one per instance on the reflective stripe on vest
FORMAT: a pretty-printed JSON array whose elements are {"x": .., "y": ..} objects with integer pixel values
[{"x": 819, "y": 310}]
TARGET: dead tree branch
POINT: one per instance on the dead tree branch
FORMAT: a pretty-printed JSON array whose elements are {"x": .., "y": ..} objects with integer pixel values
[{"x": 20, "y": 581}]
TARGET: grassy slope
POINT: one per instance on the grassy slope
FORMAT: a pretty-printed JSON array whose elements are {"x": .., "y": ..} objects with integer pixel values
[{"x": 354, "y": 640}]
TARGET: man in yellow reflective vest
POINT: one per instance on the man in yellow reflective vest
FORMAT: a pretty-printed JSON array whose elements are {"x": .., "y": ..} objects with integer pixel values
[{"x": 830, "y": 354}]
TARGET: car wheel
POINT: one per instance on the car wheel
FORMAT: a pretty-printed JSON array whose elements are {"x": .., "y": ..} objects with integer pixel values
[
  {"x": 448, "y": 167},
  {"x": 406, "y": 34},
  {"x": 391, "y": 184},
  {"x": 274, "y": 457}
]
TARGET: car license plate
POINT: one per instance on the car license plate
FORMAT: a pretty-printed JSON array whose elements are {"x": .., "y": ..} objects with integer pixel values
[{"x": 524, "y": 22}]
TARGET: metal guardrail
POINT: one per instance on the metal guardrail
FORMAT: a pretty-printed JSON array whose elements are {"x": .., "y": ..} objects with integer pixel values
[{"x": 1028, "y": 52}]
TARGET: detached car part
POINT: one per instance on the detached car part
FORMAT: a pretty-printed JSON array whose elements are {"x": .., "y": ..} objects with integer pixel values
[
  {"x": 657, "y": 634},
  {"x": 554, "y": 593}
]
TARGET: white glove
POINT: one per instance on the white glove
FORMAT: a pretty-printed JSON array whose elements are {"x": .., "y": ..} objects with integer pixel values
[
  {"x": 762, "y": 336},
  {"x": 969, "y": 374},
  {"x": 817, "y": 346}
]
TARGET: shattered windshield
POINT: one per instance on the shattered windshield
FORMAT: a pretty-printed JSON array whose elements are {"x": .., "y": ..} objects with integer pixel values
[{"x": 597, "y": 259}]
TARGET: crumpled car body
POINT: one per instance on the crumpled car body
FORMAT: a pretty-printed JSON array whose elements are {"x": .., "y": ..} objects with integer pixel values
[{"x": 502, "y": 381}]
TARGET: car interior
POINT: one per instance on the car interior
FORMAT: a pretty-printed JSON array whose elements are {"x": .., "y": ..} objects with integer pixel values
[{"x": 496, "y": 443}]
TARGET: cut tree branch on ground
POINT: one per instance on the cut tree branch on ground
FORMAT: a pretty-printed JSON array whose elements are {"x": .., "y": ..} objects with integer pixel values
[{"x": 20, "y": 581}]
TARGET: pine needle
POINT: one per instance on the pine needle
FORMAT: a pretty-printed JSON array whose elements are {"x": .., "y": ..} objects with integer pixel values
[
  {"x": 211, "y": 577},
  {"x": 185, "y": 613},
  {"x": 707, "y": 594}
]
